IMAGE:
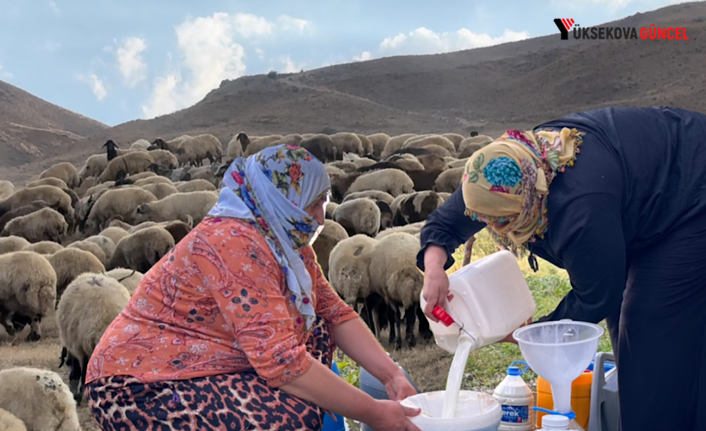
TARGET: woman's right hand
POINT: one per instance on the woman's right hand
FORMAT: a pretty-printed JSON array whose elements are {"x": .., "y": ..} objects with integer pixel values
[
  {"x": 392, "y": 416},
  {"x": 436, "y": 289}
]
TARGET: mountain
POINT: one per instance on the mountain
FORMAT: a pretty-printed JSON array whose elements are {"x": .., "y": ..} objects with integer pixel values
[
  {"x": 514, "y": 85},
  {"x": 31, "y": 128}
]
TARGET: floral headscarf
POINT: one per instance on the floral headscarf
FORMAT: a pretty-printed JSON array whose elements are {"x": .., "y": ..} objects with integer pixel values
[
  {"x": 271, "y": 189},
  {"x": 508, "y": 181}
]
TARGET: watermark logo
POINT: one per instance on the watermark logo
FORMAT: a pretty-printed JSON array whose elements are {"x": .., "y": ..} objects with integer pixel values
[{"x": 566, "y": 25}]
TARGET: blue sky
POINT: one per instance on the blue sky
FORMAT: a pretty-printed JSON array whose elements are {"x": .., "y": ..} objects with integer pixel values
[{"x": 116, "y": 61}]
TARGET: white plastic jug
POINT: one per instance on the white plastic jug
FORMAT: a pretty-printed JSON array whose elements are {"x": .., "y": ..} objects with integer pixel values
[
  {"x": 491, "y": 299},
  {"x": 476, "y": 411},
  {"x": 516, "y": 400}
]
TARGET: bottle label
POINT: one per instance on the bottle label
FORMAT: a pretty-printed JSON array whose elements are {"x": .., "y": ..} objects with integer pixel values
[{"x": 515, "y": 414}]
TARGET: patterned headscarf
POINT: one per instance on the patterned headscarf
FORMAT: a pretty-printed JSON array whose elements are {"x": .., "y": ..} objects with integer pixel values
[
  {"x": 508, "y": 181},
  {"x": 271, "y": 189}
]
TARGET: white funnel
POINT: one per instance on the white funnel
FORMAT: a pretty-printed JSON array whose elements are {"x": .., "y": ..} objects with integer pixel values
[{"x": 559, "y": 352}]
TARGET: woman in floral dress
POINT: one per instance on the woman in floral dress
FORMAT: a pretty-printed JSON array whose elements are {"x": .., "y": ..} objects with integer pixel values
[
  {"x": 236, "y": 326},
  {"x": 617, "y": 197}
]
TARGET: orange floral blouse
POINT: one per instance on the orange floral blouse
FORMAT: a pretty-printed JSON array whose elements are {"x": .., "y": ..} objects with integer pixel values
[{"x": 216, "y": 303}]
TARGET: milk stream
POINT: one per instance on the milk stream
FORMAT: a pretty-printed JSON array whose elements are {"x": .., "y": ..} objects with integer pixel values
[{"x": 453, "y": 381}]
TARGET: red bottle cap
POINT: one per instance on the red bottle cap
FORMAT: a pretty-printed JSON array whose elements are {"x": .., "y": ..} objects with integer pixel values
[{"x": 442, "y": 315}]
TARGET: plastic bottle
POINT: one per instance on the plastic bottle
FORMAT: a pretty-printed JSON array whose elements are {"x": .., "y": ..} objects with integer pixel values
[
  {"x": 516, "y": 400},
  {"x": 554, "y": 423}
]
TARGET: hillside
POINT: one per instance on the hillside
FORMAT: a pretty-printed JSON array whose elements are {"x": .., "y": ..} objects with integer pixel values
[
  {"x": 490, "y": 89},
  {"x": 31, "y": 128}
]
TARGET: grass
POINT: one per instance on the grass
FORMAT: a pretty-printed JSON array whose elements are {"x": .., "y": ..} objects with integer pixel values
[{"x": 487, "y": 366}]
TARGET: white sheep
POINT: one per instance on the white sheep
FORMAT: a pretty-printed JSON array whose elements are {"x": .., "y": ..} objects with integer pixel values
[
  {"x": 116, "y": 202},
  {"x": 52, "y": 195},
  {"x": 114, "y": 233},
  {"x": 10, "y": 422},
  {"x": 12, "y": 243},
  {"x": 161, "y": 190},
  {"x": 331, "y": 234},
  {"x": 395, "y": 143},
  {"x": 347, "y": 142},
  {"x": 81, "y": 327},
  {"x": 426, "y": 140},
  {"x": 379, "y": 140},
  {"x": 71, "y": 262},
  {"x": 105, "y": 243},
  {"x": 416, "y": 207},
  {"x": 27, "y": 291},
  {"x": 394, "y": 276},
  {"x": 412, "y": 229},
  {"x": 392, "y": 181},
  {"x": 449, "y": 180},
  {"x": 177, "y": 207},
  {"x": 43, "y": 225},
  {"x": 6, "y": 189},
  {"x": 165, "y": 161},
  {"x": 140, "y": 145},
  {"x": 39, "y": 398},
  {"x": 64, "y": 171},
  {"x": 235, "y": 147},
  {"x": 43, "y": 247},
  {"x": 455, "y": 138},
  {"x": 193, "y": 150},
  {"x": 129, "y": 278},
  {"x": 48, "y": 181},
  {"x": 349, "y": 274},
  {"x": 127, "y": 164},
  {"x": 142, "y": 249},
  {"x": 258, "y": 144},
  {"x": 358, "y": 216},
  {"x": 94, "y": 166},
  {"x": 90, "y": 247},
  {"x": 196, "y": 185}
]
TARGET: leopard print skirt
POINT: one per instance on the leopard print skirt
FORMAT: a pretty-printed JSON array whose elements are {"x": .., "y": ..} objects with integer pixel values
[{"x": 241, "y": 401}]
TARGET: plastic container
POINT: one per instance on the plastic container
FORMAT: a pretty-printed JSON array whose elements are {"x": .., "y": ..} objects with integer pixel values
[
  {"x": 555, "y": 423},
  {"x": 475, "y": 411},
  {"x": 490, "y": 299},
  {"x": 516, "y": 401},
  {"x": 605, "y": 407},
  {"x": 580, "y": 396}
]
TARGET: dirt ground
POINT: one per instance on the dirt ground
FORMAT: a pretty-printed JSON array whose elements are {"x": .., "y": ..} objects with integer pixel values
[{"x": 426, "y": 363}]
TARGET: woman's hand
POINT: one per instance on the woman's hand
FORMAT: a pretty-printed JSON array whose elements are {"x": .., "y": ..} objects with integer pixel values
[
  {"x": 436, "y": 289},
  {"x": 399, "y": 388},
  {"x": 392, "y": 416}
]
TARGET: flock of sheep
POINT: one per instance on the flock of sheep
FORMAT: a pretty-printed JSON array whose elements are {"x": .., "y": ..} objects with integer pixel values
[{"x": 76, "y": 243}]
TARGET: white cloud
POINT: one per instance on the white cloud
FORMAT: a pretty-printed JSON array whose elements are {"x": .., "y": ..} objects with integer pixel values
[
  {"x": 290, "y": 66},
  {"x": 210, "y": 55},
  {"x": 260, "y": 53},
  {"x": 130, "y": 63},
  {"x": 54, "y": 7},
  {"x": 288, "y": 23},
  {"x": 248, "y": 25},
  {"x": 96, "y": 85},
  {"x": 365, "y": 55},
  {"x": 425, "y": 41}
]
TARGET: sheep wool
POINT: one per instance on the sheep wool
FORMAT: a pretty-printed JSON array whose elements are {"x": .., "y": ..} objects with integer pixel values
[
  {"x": 127, "y": 164},
  {"x": 392, "y": 181},
  {"x": 39, "y": 398},
  {"x": 142, "y": 249},
  {"x": 43, "y": 225},
  {"x": 160, "y": 190},
  {"x": 348, "y": 268},
  {"x": 90, "y": 247},
  {"x": 358, "y": 216},
  {"x": 379, "y": 140},
  {"x": 395, "y": 143},
  {"x": 10, "y": 422},
  {"x": 81, "y": 327},
  {"x": 116, "y": 202},
  {"x": 196, "y": 185},
  {"x": 331, "y": 234},
  {"x": 6, "y": 189},
  {"x": 27, "y": 287},
  {"x": 449, "y": 180},
  {"x": 71, "y": 262},
  {"x": 127, "y": 277},
  {"x": 12, "y": 243},
  {"x": 64, "y": 171},
  {"x": 43, "y": 247},
  {"x": 177, "y": 207}
]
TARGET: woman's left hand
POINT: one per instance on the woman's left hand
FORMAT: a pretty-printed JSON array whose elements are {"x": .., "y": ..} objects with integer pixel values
[{"x": 399, "y": 388}]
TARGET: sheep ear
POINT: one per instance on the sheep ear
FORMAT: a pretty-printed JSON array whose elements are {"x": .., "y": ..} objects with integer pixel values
[{"x": 143, "y": 209}]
